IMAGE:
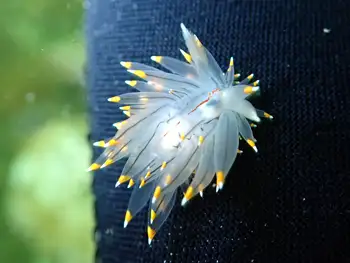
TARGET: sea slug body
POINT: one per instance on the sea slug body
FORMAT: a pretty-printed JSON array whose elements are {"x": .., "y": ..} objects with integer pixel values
[{"x": 183, "y": 129}]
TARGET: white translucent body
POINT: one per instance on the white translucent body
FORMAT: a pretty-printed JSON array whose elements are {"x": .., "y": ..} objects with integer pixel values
[{"x": 186, "y": 120}]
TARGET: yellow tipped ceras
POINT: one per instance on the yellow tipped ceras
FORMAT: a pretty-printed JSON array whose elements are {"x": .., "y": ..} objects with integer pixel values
[
  {"x": 219, "y": 180},
  {"x": 131, "y": 83},
  {"x": 114, "y": 99},
  {"x": 151, "y": 233},
  {"x": 131, "y": 183},
  {"x": 107, "y": 163},
  {"x": 188, "y": 195},
  {"x": 128, "y": 218},
  {"x": 186, "y": 56},
  {"x": 126, "y": 64},
  {"x": 153, "y": 216},
  {"x": 156, "y": 194},
  {"x": 138, "y": 73},
  {"x": 100, "y": 144},
  {"x": 94, "y": 167},
  {"x": 157, "y": 59},
  {"x": 122, "y": 179},
  {"x": 252, "y": 144},
  {"x": 250, "y": 89},
  {"x": 119, "y": 125}
]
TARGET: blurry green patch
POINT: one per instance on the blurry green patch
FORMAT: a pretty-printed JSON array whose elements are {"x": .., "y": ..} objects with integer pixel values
[
  {"x": 35, "y": 24},
  {"x": 68, "y": 57},
  {"x": 45, "y": 196},
  {"x": 48, "y": 198}
]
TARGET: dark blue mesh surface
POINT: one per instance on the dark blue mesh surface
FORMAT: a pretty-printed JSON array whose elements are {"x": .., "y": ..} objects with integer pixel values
[{"x": 288, "y": 204}]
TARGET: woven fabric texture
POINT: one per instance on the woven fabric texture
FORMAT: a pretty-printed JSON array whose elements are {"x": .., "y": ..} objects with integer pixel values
[{"x": 289, "y": 203}]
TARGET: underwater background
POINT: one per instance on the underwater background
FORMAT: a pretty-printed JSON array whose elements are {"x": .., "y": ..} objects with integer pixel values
[
  {"x": 46, "y": 208},
  {"x": 288, "y": 204}
]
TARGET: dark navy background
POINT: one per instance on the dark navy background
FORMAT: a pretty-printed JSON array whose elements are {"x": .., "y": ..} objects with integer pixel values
[{"x": 288, "y": 204}]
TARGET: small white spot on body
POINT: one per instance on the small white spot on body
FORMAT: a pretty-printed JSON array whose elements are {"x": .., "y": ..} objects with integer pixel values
[{"x": 326, "y": 30}]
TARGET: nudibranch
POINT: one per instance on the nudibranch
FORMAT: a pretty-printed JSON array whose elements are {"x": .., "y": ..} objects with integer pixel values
[{"x": 183, "y": 129}]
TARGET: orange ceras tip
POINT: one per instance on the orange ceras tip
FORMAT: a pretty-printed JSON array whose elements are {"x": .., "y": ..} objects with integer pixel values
[
  {"x": 266, "y": 115},
  {"x": 219, "y": 180}
]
